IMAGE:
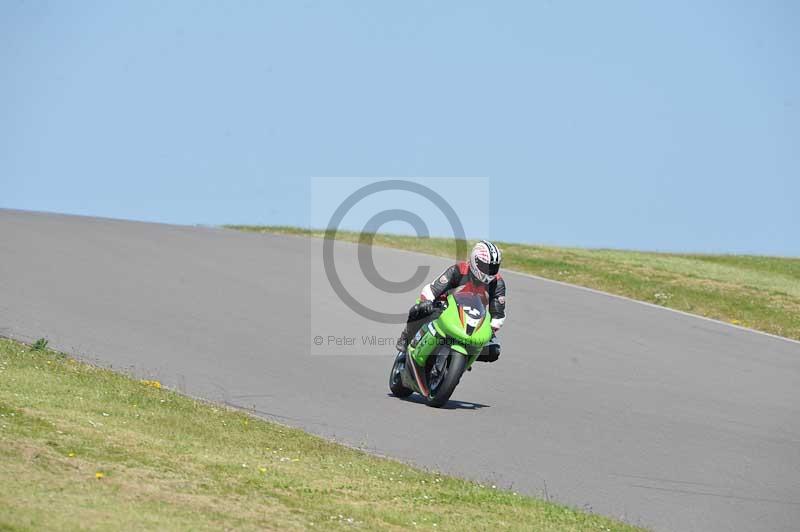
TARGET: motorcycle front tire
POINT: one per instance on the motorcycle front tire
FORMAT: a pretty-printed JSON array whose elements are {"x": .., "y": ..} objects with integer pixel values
[{"x": 456, "y": 365}]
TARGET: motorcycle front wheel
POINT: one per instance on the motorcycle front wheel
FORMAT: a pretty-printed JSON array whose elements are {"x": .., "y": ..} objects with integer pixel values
[{"x": 444, "y": 375}]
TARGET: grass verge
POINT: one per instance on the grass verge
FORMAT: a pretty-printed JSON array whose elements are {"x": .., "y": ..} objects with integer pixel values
[
  {"x": 761, "y": 293},
  {"x": 86, "y": 448}
]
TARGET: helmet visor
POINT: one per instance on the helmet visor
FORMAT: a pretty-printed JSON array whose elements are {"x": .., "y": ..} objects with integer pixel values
[{"x": 487, "y": 268}]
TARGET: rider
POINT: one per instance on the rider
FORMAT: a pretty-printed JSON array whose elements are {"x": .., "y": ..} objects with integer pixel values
[{"x": 481, "y": 271}]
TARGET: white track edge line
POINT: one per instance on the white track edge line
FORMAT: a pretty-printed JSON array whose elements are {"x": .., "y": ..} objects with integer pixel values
[
  {"x": 653, "y": 305},
  {"x": 569, "y": 285}
]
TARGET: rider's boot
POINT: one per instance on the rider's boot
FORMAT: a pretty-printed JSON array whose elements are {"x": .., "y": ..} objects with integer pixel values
[
  {"x": 408, "y": 334},
  {"x": 490, "y": 352},
  {"x": 402, "y": 342},
  {"x": 416, "y": 316}
]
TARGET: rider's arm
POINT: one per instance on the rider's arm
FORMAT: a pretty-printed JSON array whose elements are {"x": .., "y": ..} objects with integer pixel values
[
  {"x": 497, "y": 302},
  {"x": 449, "y": 279}
]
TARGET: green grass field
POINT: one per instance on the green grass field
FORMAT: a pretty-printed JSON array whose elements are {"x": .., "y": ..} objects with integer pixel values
[
  {"x": 761, "y": 293},
  {"x": 86, "y": 448}
]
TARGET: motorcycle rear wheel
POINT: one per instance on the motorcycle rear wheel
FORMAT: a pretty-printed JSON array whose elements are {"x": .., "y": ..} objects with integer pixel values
[{"x": 395, "y": 382}]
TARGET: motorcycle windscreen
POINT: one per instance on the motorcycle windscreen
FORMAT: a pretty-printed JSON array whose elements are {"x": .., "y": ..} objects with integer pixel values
[{"x": 471, "y": 310}]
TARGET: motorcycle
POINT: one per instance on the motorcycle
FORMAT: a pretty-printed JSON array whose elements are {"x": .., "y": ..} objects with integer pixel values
[{"x": 444, "y": 348}]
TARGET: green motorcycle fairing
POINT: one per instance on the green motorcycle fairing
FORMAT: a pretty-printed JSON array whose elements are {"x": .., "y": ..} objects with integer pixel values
[{"x": 465, "y": 326}]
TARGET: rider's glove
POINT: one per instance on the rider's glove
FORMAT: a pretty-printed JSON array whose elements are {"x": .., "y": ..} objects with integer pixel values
[
  {"x": 421, "y": 310},
  {"x": 424, "y": 308}
]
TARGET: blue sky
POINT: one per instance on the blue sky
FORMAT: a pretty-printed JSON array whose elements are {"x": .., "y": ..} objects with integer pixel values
[{"x": 623, "y": 124}]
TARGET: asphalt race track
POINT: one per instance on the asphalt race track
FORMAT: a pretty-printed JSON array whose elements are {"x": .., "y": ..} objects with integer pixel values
[{"x": 655, "y": 417}]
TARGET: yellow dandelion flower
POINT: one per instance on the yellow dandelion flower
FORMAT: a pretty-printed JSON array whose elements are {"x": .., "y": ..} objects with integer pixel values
[
  {"x": 262, "y": 469},
  {"x": 71, "y": 455},
  {"x": 99, "y": 475},
  {"x": 152, "y": 384}
]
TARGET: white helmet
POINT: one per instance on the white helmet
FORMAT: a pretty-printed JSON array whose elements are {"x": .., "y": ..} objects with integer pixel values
[{"x": 484, "y": 261}]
